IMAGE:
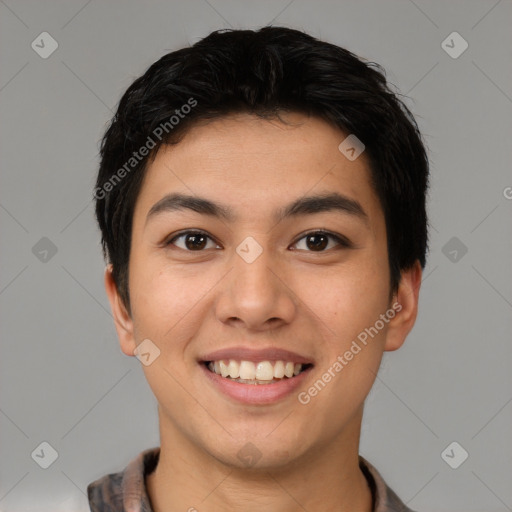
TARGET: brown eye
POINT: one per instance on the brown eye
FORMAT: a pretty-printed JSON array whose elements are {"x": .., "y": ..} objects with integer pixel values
[
  {"x": 318, "y": 241},
  {"x": 192, "y": 241}
]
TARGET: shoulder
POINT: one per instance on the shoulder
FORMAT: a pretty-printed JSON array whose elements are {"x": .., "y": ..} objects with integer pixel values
[
  {"x": 106, "y": 493},
  {"x": 117, "y": 492},
  {"x": 385, "y": 499}
]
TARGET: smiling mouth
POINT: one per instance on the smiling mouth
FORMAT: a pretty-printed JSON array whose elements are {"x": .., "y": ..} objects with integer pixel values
[{"x": 261, "y": 372}]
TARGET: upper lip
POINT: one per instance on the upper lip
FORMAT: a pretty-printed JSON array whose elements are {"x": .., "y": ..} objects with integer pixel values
[{"x": 256, "y": 355}]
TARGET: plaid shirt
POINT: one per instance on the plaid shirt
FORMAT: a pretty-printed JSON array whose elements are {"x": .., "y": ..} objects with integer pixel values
[{"x": 126, "y": 491}]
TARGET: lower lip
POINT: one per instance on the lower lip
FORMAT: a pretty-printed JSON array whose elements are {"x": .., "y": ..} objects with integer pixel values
[{"x": 256, "y": 393}]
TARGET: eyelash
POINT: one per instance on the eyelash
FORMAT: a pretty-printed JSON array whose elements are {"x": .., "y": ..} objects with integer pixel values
[{"x": 341, "y": 240}]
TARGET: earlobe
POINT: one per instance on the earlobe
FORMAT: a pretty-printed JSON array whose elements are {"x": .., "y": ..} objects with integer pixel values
[
  {"x": 406, "y": 299},
  {"x": 122, "y": 319}
]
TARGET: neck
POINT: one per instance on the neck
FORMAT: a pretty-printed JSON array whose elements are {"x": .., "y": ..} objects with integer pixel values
[{"x": 325, "y": 478}]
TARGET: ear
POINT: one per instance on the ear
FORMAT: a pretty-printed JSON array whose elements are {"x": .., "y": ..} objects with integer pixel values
[
  {"x": 122, "y": 319},
  {"x": 406, "y": 300}
]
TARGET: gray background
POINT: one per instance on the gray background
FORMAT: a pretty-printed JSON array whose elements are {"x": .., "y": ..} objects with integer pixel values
[{"x": 63, "y": 377}]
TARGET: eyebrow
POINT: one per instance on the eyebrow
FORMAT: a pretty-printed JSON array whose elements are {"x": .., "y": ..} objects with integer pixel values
[{"x": 302, "y": 206}]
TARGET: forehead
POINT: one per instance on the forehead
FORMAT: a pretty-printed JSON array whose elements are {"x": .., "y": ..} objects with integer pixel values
[{"x": 248, "y": 162}]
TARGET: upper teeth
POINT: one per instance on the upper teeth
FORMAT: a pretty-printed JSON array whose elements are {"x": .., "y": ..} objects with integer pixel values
[{"x": 248, "y": 370}]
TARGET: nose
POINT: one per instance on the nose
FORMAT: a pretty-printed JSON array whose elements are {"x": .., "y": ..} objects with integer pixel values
[{"x": 255, "y": 295}]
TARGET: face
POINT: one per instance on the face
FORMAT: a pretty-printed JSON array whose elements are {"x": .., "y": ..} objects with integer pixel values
[{"x": 260, "y": 250}]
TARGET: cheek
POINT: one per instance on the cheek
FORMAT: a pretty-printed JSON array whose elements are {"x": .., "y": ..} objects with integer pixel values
[
  {"x": 164, "y": 300},
  {"x": 350, "y": 355},
  {"x": 350, "y": 303},
  {"x": 347, "y": 300}
]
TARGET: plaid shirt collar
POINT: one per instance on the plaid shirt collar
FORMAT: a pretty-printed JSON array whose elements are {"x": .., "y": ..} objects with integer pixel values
[{"x": 126, "y": 491}]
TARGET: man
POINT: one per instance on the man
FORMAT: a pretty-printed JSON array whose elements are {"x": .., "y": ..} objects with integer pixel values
[{"x": 261, "y": 199}]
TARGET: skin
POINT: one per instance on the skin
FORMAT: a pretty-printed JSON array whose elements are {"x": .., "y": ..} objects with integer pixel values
[{"x": 312, "y": 302}]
